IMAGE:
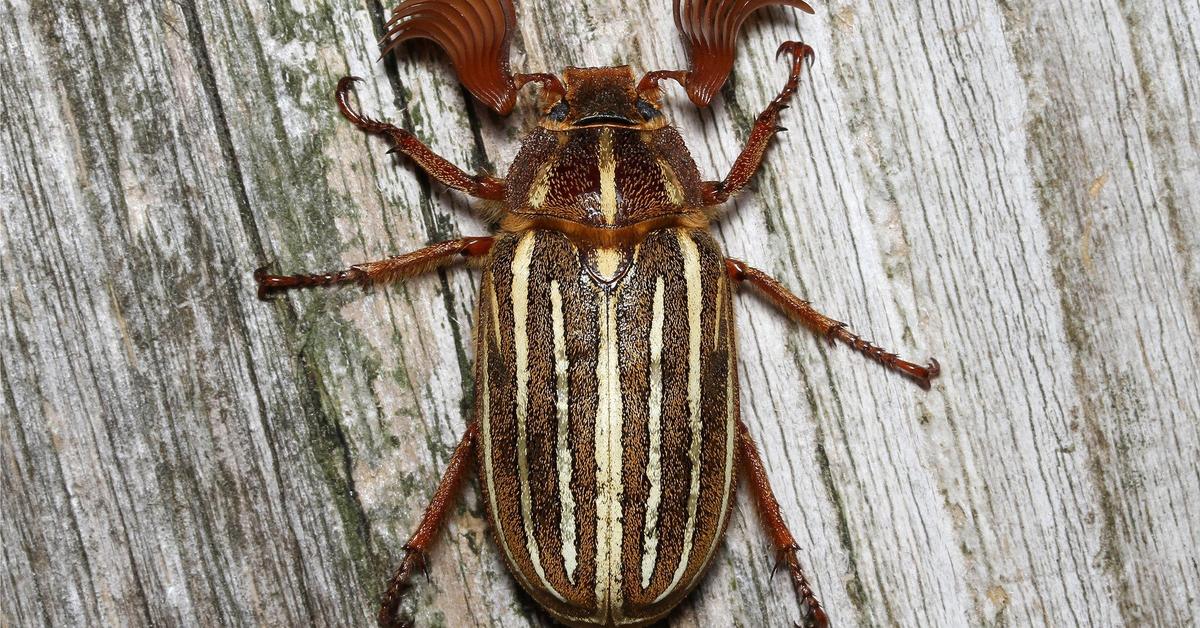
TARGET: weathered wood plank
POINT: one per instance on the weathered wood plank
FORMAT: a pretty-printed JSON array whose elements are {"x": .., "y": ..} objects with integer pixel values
[{"x": 1008, "y": 186}]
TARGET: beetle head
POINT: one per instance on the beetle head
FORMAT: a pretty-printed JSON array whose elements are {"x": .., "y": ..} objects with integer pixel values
[{"x": 601, "y": 97}]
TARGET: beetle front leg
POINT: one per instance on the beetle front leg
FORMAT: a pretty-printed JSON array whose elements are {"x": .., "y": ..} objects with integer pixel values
[
  {"x": 382, "y": 271},
  {"x": 431, "y": 523},
  {"x": 802, "y": 311},
  {"x": 772, "y": 520},
  {"x": 765, "y": 127},
  {"x": 480, "y": 186}
]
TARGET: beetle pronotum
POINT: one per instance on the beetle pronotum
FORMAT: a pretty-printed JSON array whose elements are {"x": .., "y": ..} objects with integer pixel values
[{"x": 606, "y": 431}]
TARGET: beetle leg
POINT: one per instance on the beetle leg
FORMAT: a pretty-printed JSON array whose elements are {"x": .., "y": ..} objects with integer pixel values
[
  {"x": 382, "y": 271},
  {"x": 765, "y": 127},
  {"x": 431, "y": 523},
  {"x": 480, "y": 186},
  {"x": 802, "y": 311},
  {"x": 772, "y": 519}
]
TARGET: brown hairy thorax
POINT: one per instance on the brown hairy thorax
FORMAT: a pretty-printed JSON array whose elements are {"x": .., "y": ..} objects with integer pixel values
[
  {"x": 602, "y": 160},
  {"x": 603, "y": 174}
]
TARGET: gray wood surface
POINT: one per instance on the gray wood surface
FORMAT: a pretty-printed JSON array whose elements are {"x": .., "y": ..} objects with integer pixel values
[{"x": 1009, "y": 186}]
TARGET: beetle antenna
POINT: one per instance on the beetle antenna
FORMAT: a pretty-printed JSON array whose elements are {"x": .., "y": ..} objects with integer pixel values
[
  {"x": 709, "y": 29},
  {"x": 650, "y": 82},
  {"x": 475, "y": 34}
]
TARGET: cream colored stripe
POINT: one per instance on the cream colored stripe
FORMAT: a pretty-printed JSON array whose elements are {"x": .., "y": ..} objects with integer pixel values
[
  {"x": 730, "y": 432},
  {"x": 670, "y": 183},
  {"x": 610, "y": 486},
  {"x": 520, "y": 301},
  {"x": 541, "y": 184},
  {"x": 654, "y": 459},
  {"x": 608, "y": 262},
  {"x": 566, "y": 498},
  {"x": 485, "y": 420},
  {"x": 691, "y": 273},
  {"x": 608, "y": 177}
]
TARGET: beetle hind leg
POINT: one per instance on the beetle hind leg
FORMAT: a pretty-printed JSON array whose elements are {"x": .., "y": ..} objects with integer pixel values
[
  {"x": 775, "y": 527},
  {"x": 431, "y": 523},
  {"x": 815, "y": 616},
  {"x": 400, "y": 583}
]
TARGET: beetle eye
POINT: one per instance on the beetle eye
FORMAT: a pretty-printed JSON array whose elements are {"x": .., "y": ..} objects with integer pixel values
[
  {"x": 558, "y": 112},
  {"x": 646, "y": 109}
]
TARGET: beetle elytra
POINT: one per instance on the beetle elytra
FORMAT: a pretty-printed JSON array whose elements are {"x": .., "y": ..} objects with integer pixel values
[{"x": 606, "y": 433}]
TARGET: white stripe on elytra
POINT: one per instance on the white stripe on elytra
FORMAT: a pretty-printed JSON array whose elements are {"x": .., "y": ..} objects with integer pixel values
[
  {"x": 730, "y": 431},
  {"x": 691, "y": 274},
  {"x": 566, "y": 498},
  {"x": 520, "y": 301},
  {"x": 486, "y": 434},
  {"x": 654, "y": 459},
  {"x": 609, "y": 484}
]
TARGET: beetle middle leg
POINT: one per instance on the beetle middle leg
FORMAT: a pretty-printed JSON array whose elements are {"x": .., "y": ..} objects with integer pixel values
[
  {"x": 480, "y": 186},
  {"x": 804, "y": 312},
  {"x": 431, "y": 523},
  {"x": 765, "y": 127},
  {"x": 381, "y": 271},
  {"x": 772, "y": 519}
]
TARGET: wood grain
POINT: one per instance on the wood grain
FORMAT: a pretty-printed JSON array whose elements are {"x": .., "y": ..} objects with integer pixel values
[{"x": 1009, "y": 186}]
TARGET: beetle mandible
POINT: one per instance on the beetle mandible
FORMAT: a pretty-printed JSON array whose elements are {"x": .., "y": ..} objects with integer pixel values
[{"x": 606, "y": 432}]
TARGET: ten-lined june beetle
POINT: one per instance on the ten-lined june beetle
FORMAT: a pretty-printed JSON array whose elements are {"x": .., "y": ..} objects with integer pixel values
[{"x": 606, "y": 430}]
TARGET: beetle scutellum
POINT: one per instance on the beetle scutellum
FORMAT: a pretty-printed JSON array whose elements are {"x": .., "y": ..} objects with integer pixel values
[{"x": 606, "y": 433}]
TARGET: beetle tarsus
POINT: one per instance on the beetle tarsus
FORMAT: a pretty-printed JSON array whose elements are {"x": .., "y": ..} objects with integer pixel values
[
  {"x": 772, "y": 519},
  {"x": 799, "y": 52},
  {"x": 431, "y": 522},
  {"x": 921, "y": 375},
  {"x": 814, "y": 613},
  {"x": 345, "y": 85},
  {"x": 765, "y": 127},
  {"x": 830, "y": 329},
  {"x": 401, "y": 582},
  {"x": 260, "y": 273},
  {"x": 269, "y": 285},
  {"x": 389, "y": 608},
  {"x": 931, "y": 371},
  {"x": 815, "y": 616}
]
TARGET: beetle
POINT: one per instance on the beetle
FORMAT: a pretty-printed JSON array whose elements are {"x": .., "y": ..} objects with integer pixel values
[{"x": 606, "y": 433}]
